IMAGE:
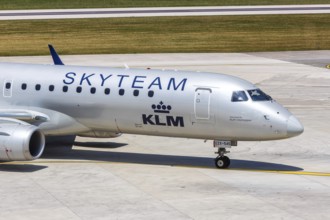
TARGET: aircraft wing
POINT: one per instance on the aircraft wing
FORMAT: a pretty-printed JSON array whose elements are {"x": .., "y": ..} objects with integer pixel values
[
  {"x": 50, "y": 122},
  {"x": 23, "y": 115}
]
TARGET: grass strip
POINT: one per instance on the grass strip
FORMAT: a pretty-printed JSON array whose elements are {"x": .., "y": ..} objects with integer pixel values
[
  {"x": 166, "y": 34},
  {"x": 57, "y": 4}
]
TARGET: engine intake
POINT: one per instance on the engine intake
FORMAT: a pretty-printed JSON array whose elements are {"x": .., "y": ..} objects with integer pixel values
[{"x": 20, "y": 142}]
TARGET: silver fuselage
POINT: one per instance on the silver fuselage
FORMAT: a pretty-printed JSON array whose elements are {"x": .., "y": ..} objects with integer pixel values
[{"x": 107, "y": 101}]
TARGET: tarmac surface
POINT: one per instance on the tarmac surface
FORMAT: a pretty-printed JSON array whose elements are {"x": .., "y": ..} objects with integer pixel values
[
  {"x": 162, "y": 11},
  {"x": 145, "y": 177}
]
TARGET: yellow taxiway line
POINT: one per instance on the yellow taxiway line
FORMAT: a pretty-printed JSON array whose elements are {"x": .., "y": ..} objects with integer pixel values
[
  {"x": 200, "y": 167},
  {"x": 307, "y": 173}
]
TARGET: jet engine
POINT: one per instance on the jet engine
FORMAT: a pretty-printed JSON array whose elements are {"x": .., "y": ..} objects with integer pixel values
[{"x": 20, "y": 142}]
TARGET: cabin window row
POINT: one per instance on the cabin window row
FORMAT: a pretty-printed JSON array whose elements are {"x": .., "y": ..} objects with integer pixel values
[{"x": 79, "y": 89}]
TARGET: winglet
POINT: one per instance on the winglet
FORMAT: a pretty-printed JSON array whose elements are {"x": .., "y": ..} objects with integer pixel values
[{"x": 57, "y": 60}]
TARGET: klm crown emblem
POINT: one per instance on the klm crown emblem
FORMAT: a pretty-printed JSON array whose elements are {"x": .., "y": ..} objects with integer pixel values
[{"x": 161, "y": 108}]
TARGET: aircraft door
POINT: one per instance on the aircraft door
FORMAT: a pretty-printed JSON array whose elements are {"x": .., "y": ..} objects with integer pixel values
[
  {"x": 202, "y": 103},
  {"x": 7, "y": 88}
]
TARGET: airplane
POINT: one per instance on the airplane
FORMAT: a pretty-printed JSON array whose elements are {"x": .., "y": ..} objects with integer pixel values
[{"x": 100, "y": 102}]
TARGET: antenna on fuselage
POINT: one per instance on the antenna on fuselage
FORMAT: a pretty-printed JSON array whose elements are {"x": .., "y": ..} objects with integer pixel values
[{"x": 56, "y": 58}]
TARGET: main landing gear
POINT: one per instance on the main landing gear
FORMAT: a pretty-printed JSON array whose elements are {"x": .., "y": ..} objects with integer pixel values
[{"x": 222, "y": 161}]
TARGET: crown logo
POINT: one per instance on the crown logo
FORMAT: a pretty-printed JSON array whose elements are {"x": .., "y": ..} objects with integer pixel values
[{"x": 161, "y": 108}]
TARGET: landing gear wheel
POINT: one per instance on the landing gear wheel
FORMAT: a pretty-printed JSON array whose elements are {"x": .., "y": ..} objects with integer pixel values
[{"x": 222, "y": 162}]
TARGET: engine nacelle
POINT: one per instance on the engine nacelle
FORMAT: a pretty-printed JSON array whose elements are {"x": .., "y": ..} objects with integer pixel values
[{"x": 20, "y": 142}]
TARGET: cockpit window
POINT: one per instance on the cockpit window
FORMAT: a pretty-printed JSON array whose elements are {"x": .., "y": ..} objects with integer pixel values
[
  {"x": 258, "y": 95},
  {"x": 239, "y": 96}
]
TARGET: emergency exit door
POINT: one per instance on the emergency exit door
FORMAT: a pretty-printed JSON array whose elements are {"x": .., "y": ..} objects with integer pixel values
[{"x": 202, "y": 103}]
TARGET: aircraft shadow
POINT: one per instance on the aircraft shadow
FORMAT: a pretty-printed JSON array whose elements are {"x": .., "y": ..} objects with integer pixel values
[
  {"x": 20, "y": 168},
  {"x": 99, "y": 144},
  {"x": 157, "y": 159}
]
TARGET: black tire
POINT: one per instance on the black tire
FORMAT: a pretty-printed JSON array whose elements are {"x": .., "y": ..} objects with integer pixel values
[{"x": 222, "y": 162}]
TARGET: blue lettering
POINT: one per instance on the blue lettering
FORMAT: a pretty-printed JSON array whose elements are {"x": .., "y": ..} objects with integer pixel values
[
  {"x": 176, "y": 122},
  {"x": 147, "y": 119},
  {"x": 84, "y": 77},
  {"x": 69, "y": 78},
  {"x": 156, "y": 120},
  {"x": 121, "y": 79},
  {"x": 104, "y": 79},
  {"x": 156, "y": 82},
  {"x": 138, "y": 81},
  {"x": 175, "y": 87}
]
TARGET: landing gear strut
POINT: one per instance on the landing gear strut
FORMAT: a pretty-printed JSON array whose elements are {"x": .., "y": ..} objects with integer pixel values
[{"x": 222, "y": 161}]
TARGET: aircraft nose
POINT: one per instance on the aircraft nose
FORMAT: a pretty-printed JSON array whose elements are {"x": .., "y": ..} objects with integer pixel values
[{"x": 294, "y": 127}]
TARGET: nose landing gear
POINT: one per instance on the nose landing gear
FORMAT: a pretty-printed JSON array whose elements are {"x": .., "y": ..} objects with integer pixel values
[{"x": 222, "y": 161}]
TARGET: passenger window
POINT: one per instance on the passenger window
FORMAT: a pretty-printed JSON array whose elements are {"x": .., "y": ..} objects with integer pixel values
[
  {"x": 79, "y": 89},
  {"x": 8, "y": 85},
  {"x": 65, "y": 88},
  {"x": 38, "y": 87},
  {"x": 24, "y": 86},
  {"x": 121, "y": 91},
  {"x": 136, "y": 92},
  {"x": 239, "y": 96},
  {"x": 93, "y": 90},
  {"x": 107, "y": 91},
  {"x": 258, "y": 95},
  {"x": 151, "y": 93},
  {"x": 51, "y": 88}
]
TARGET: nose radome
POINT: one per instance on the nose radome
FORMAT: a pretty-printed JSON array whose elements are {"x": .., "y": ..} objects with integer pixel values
[{"x": 294, "y": 127}]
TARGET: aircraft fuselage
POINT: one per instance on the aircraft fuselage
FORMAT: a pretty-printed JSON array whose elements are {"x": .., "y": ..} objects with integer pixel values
[{"x": 107, "y": 101}]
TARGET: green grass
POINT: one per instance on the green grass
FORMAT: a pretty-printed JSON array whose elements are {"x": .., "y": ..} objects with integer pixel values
[
  {"x": 166, "y": 34},
  {"x": 47, "y": 4}
]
